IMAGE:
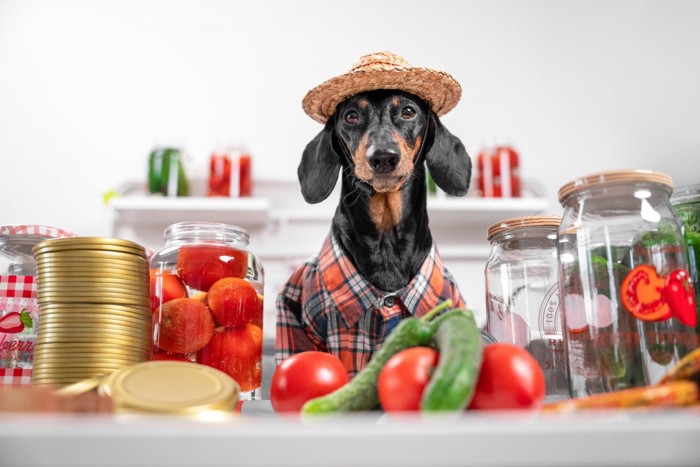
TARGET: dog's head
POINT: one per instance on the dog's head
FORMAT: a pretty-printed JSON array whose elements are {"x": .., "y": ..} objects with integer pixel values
[{"x": 380, "y": 137}]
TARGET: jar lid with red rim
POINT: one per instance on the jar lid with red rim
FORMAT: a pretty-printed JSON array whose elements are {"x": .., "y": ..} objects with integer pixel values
[{"x": 34, "y": 229}]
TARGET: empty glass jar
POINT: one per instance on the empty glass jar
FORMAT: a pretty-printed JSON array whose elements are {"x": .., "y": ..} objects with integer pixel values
[{"x": 522, "y": 294}]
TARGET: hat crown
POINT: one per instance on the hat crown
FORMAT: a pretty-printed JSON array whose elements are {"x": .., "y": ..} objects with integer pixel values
[{"x": 379, "y": 61}]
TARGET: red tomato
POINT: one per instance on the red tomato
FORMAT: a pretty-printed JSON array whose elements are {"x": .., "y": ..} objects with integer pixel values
[
  {"x": 510, "y": 378},
  {"x": 403, "y": 379},
  {"x": 238, "y": 353},
  {"x": 234, "y": 302},
  {"x": 200, "y": 266},
  {"x": 303, "y": 377},
  {"x": 165, "y": 286},
  {"x": 183, "y": 325}
]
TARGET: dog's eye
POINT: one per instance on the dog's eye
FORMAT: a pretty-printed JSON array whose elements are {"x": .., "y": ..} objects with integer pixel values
[
  {"x": 408, "y": 113},
  {"x": 352, "y": 117}
]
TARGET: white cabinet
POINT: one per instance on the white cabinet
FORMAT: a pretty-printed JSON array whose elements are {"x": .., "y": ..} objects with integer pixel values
[{"x": 285, "y": 230}]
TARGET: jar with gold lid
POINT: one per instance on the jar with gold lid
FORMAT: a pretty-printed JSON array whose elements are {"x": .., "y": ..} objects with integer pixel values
[
  {"x": 207, "y": 301},
  {"x": 624, "y": 282},
  {"x": 522, "y": 294}
]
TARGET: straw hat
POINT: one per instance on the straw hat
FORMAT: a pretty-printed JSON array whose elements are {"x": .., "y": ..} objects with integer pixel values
[{"x": 383, "y": 70}]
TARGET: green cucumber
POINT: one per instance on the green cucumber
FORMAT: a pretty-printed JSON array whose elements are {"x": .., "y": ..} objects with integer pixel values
[
  {"x": 452, "y": 384},
  {"x": 361, "y": 392}
]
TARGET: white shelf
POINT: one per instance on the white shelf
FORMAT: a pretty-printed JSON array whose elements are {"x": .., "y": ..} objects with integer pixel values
[
  {"x": 249, "y": 213},
  {"x": 482, "y": 211},
  {"x": 606, "y": 438}
]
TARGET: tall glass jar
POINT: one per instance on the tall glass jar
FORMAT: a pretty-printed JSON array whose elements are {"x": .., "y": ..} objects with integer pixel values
[
  {"x": 522, "y": 294},
  {"x": 207, "y": 301},
  {"x": 686, "y": 202},
  {"x": 624, "y": 281}
]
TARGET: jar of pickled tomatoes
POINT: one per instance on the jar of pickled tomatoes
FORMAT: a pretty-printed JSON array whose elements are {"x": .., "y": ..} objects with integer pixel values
[
  {"x": 625, "y": 289},
  {"x": 207, "y": 301}
]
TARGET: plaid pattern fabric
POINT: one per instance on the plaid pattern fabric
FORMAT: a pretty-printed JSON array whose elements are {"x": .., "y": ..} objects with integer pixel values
[
  {"x": 327, "y": 305},
  {"x": 15, "y": 376},
  {"x": 33, "y": 229},
  {"x": 17, "y": 286}
]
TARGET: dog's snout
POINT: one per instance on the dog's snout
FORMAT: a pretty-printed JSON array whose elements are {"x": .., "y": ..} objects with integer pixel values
[{"x": 383, "y": 160}]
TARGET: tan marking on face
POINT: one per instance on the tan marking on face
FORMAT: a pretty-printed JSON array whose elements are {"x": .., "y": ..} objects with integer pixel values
[
  {"x": 395, "y": 102},
  {"x": 385, "y": 210},
  {"x": 363, "y": 103},
  {"x": 359, "y": 157}
]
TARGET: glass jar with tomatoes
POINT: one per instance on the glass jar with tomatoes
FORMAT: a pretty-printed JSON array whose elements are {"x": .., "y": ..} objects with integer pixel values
[
  {"x": 207, "y": 301},
  {"x": 686, "y": 203},
  {"x": 628, "y": 301}
]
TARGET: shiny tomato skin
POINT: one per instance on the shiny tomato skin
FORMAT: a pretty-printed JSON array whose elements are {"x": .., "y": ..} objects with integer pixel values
[
  {"x": 200, "y": 266},
  {"x": 510, "y": 378},
  {"x": 403, "y": 379},
  {"x": 305, "y": 376},
  {"x": 234, "y": 302},
  {"x": 238, "y": 353},
  {"x": 165, "y": 286}
]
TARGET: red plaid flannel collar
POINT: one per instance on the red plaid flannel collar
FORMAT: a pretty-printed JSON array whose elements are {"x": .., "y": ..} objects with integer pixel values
[{"x": 352, "y": 295}]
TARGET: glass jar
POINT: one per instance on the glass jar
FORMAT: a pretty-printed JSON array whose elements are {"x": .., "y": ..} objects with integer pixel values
[
  {"x": 207, "y": 301},
  {"x": 686, "y": 203},
  {"x": 19, "y": 310},
  {"x": 230, "y": 173},
  {"x": 522, "y": 294},
  {"x": 623, "y": 281}
]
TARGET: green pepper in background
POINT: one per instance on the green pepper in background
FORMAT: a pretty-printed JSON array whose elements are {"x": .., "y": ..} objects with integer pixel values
[{"x": 166, "y": 173}]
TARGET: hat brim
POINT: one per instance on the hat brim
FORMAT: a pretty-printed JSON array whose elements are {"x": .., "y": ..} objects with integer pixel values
[{"x": 440, "y": 90}]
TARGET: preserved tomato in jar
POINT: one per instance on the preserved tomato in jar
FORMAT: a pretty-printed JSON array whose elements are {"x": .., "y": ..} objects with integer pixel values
[
  {"x": 498, "y": 172},
  {"x": 207, "y": 301},
  {"x": 628, "y": 301},
  {"x": 230, "y": 173}
]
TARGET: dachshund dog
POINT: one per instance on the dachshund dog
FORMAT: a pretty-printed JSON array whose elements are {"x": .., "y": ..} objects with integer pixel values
[{"x": 380, "y": 142}]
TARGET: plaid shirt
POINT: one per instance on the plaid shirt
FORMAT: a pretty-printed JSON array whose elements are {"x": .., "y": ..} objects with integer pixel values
[{"x": 327, "y": 305}]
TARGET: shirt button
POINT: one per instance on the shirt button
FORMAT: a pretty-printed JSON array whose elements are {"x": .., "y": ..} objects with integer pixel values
[{"x": 389, "y": 301}]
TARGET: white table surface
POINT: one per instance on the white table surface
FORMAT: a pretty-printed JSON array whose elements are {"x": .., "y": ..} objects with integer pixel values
[{"x": 258, "y": 437}]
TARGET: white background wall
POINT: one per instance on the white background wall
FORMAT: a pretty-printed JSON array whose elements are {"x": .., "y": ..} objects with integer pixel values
[{"x": 88, "y": 87}]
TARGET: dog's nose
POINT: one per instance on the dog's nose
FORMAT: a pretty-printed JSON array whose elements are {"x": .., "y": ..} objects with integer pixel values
[{"x": 383, "y": 161}]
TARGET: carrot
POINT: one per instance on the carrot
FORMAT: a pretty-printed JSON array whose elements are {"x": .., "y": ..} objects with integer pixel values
[{"x": 671, "y": 394}]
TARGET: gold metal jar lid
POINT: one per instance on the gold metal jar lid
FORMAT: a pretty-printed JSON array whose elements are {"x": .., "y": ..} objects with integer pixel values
[
  {"x": 614, "y": 177},
  {"x": 172, "y": 387},
  {"x": 524, "y": 222},
  {"x": 105, "y": 244}
]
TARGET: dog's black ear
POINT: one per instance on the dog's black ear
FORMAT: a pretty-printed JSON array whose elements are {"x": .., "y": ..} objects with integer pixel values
[
  {"x": 447, "y": 159},
  {"x": 318, "y": 170}
]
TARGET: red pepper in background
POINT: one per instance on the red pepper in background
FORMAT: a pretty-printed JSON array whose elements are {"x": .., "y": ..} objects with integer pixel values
[{"x": 498, "y": 169}]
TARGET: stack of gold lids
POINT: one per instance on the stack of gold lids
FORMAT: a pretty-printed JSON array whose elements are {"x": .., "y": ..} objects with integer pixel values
[{"x": 94, "y": 308}]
